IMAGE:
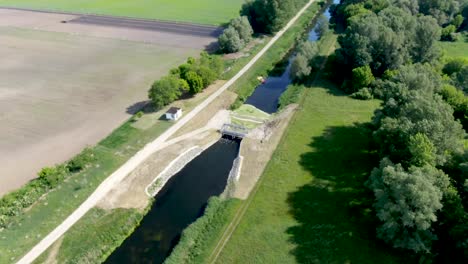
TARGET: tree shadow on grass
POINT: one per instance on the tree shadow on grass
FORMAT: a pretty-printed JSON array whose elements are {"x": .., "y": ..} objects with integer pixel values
[{"x": 334, "y": 211}]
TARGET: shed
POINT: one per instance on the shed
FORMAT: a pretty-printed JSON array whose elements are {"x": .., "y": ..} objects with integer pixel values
[{"x": 174, "y": 113}]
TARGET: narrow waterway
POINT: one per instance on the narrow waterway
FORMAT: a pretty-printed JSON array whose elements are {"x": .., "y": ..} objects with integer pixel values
[
  {"x": 181, "y": 201},
  {"x": 266, "y": 96}
]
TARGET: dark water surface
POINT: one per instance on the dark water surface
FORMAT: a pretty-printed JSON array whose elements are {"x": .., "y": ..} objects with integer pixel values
[
  {"x": 266, "y": 96},
  {"x": 178, "y": 204}
]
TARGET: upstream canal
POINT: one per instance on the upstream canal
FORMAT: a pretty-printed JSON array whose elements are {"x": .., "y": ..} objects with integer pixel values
[
  {"x": 181, "y": 201},
  {"x": 184, "y": 197},
  {"x": 266, "y": 96}
]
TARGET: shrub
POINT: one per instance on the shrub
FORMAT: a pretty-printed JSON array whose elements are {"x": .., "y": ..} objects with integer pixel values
[
  {"x": 82, "y": 160},
  {"x": 448, "y": 33},
  {"x": 454, "y": 65},
  {"x": 207, "y": 75},
  {"x": 195, "y": 82},
  {"x": 166, "y": 91},
  {"x": 230, "y": 40},
  {"x": 300, "y": 68},
  {"x": 363, "y": 94},
  {"x": 52, "y": 176},
  {"x": 243, "y": 28},
  {"x": 362, "y": 77}
]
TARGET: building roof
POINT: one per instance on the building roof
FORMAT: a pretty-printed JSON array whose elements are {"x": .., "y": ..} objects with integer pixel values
[{"x": 173, "y": 110}]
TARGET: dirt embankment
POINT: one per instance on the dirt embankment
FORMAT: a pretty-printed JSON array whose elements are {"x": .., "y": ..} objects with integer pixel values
[{"x": 257, "y": 149}]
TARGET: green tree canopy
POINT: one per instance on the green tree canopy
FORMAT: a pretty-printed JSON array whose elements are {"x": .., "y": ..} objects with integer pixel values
[
  {"x": 195, "y": 82},
  {"x": 166, "y": 90},
  {"x": 407, "y": 203}
]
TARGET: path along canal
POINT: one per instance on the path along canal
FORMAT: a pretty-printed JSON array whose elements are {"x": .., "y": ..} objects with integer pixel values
[{"x": 184, "y": 197}]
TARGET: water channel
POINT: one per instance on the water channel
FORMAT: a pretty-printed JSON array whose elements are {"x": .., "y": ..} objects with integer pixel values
[
  {"x": 181, "y": 201},
  {"x": 184, "y": 197}
]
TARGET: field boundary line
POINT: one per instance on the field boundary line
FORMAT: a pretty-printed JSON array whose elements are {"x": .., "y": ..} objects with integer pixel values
[
  {"x": 116, "y": 177},
  {"x": 243, "y": 208}
]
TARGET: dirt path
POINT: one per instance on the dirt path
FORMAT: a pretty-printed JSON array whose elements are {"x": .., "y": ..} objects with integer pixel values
[
  {"x": 143, "y": 154},
  {"x": 243, "y": 208}
]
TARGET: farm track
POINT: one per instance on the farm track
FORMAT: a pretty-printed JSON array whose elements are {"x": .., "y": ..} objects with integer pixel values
[{"x": 135, "y": 23}]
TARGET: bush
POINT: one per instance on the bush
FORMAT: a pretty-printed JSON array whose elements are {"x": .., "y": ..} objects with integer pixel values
[
  {"x": 207, "y": 75},
  {"x": 362, "y": 77},
  {"x": 82, "y": 160},
  {"x": 230, "y": 41},
  {"x": 195, "y": 82},
  {"x": 166, "y": 91},
  {"x": 448, "y": 33},
  {"x": 243, "y": 28},
  {"x": 363, "y": 94},
  {"x": 454, "y": 65},
  {"x": 300, "y": 68},
  {"x": 52, "y": 176}
]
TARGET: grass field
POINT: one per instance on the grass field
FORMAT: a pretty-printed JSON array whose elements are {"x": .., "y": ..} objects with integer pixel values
[
  {"x": 211, "y": 12},
  {"x": 457, "y": 49},
  {"x": 302, "y": 212}
]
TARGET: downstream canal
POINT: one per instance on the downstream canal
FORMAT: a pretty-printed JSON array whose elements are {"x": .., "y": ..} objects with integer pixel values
[
  {"x": 181, "y": 201},
  {"x": 184, "y": 197}
]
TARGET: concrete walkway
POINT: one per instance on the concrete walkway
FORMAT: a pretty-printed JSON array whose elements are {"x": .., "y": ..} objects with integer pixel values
[{"x": 143, "y": 154}]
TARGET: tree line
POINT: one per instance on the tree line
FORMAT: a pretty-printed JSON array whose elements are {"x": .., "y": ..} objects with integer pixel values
[
  {"x": 388, "y": 50},
  {"x": 257, "y": 17},
  {"x": 191, "y": 77}
]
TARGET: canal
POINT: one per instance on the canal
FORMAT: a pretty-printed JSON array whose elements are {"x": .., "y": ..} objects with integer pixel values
[
  {"x": 266, "y": 96},
  {"x": 181, "y": 201}
]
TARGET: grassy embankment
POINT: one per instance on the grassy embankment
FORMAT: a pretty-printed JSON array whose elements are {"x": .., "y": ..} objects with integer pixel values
[
  {"x": 458, "y": 49},
  {"x": 210, "y": 12}
]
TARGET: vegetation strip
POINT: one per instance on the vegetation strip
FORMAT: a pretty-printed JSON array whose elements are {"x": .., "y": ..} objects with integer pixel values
[{"x": 123, "y": 171}]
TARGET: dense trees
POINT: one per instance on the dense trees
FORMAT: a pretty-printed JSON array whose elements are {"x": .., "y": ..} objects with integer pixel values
[
  {"x": 389, "y": 48},
  {"x": 388, "y": 40}
]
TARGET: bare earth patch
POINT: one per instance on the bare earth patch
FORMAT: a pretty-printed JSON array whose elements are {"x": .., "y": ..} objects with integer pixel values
[
  {"x": 257, "y": 149},
  {"x": 65, "y": 86}
]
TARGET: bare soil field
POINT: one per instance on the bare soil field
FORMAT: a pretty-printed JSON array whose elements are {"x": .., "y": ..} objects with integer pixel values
[{"x": 67, "y": 85}]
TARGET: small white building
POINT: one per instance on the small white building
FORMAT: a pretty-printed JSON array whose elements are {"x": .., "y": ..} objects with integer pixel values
[{"x": 174, "y": 113}]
